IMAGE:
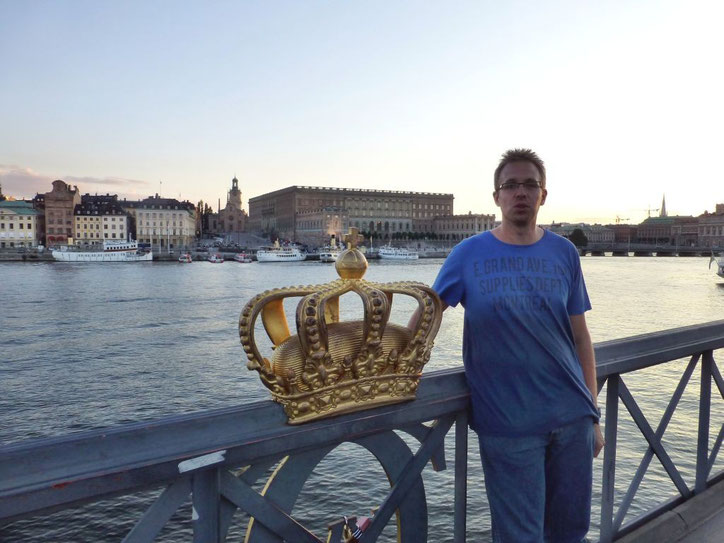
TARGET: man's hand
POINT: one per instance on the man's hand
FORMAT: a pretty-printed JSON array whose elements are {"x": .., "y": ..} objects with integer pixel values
[{"x": 598, "y": 439}]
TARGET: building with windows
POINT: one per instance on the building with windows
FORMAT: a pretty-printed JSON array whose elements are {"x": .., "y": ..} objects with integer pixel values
[
  {"x": 459, "y": 227},
  {"x": 711, "y": 228},
  {"x": 59, "y": 206},
  {"x": 18, "y": 224},
  {"x": 315, "y": 227},
  {"x": 165, "y": 224},
  {"x": 383, "y": 213},
  {"x": 99, "y": 218}
]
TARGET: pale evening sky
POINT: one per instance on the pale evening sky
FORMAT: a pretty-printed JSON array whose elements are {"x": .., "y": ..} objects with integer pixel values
[{"x": 623, "y": 100}]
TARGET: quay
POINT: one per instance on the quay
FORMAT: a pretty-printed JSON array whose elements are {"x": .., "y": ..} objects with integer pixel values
[
  {"x": 644, "y": 249},
  {"x": 214, "y": 458}
]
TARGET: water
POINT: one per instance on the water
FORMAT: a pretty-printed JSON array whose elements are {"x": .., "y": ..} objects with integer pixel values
[{"x": 96, "y": 345}]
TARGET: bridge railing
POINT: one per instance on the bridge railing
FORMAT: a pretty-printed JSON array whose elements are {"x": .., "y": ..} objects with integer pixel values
[
  {"x": 216, "y": 458},
  {"x": 618, "y": 358}
]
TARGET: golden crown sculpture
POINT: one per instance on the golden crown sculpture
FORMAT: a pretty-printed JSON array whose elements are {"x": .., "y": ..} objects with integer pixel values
[{"x": 332, "y": 367}]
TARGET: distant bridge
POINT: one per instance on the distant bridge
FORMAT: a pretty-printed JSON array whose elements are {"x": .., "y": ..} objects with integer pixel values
[{"x": 646, "y": 249}]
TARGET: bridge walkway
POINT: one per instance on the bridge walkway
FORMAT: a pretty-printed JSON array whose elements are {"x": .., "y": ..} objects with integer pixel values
[{"x": 698, "y": 520}]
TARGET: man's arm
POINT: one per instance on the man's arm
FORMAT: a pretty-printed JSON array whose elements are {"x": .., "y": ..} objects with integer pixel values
[{"x": 584, "y": 348}]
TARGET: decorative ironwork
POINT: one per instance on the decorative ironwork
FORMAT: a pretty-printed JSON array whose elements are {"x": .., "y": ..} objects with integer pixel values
[{"x": 199, "y": 455}]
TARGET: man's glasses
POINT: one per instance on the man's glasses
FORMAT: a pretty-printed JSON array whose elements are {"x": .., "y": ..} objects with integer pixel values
[{"x": 512, "y": 186}]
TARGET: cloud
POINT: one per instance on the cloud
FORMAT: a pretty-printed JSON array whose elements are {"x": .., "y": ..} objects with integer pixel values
[{"x": 23, "y": 182}]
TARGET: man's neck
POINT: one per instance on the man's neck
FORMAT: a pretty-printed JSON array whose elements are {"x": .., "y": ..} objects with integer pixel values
[{"x": 518, "y": 235}]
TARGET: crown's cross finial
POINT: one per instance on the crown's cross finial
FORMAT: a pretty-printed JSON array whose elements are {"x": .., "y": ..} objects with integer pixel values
[{"x": 353, "y": 238}]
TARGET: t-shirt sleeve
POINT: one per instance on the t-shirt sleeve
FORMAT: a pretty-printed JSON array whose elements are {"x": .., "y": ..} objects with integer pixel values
[
  {"x": 578, "y": 301},
  {"x": 449, "y": 283}
]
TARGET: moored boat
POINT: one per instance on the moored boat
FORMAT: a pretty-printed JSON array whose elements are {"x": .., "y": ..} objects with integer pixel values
[
  {"x": 330, "y": 252},
  {"x": 397, "y": 253},
  {"x": 113, "y": 251},
  {"x": 185, "y": 258},
  {"x": 280, "y": 253},
  {"x": 215, "y": 258},
  {"x": 243, "y": 258}
]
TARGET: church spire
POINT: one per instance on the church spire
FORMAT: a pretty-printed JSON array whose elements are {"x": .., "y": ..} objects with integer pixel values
[{"x": 662, "y": 212}]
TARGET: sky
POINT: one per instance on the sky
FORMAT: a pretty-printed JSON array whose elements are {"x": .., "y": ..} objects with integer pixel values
[{"x": 623, "y": 100}]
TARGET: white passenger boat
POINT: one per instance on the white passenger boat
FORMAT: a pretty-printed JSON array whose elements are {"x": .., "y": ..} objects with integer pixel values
[
  {"x": 719, "y": 261},
  {"x": 185, "y": 258},
  {"x": 330, "y": 252},
  {"x": 113, "y": 251},
  {"x": 243, "y": 258},
  {"x": 280, "y": 253},
  {"x": 215, "y": 258},
  {"x": 397, "y": 253}
]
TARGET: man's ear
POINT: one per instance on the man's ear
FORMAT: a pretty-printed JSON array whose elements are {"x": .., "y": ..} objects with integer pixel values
[
  {"x": 543, "y": 196},
  {"x": 495, "y": 198}
]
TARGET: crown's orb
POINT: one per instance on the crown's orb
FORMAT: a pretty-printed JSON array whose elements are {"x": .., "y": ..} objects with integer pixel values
[{"x": 351, "y": 264}]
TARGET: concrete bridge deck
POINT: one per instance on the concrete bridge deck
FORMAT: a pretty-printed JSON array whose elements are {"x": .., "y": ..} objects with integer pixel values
[{"x": 698, "y": 520}]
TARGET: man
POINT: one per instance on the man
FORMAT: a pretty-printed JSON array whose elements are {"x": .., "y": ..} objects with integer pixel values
[{"x": 529, "y": 363}]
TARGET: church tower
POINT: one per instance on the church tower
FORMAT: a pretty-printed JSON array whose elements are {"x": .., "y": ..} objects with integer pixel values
[
  {"x": 234, "y": 197},
  {"x": 662, "y": 211}
]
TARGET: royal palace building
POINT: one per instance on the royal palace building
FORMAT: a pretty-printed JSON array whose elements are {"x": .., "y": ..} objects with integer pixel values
[{"x": 311, "y": 214}]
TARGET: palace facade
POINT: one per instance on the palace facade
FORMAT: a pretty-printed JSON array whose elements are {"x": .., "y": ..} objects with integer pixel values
[{"x": 311, "y": 214}]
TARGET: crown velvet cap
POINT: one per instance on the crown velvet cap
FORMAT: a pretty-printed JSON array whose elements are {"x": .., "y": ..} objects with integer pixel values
[{"x": 331, "y": 367}]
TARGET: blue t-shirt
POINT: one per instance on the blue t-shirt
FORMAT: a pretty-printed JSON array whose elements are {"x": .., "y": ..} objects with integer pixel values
[{"x": 520, "y": 358}]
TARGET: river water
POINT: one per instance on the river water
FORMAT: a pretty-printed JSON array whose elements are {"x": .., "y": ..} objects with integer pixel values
[{"x": 97, "y": 345}]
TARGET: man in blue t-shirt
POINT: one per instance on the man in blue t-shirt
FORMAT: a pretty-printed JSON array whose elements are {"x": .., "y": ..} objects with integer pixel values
[{"x": 529, "y": 363}]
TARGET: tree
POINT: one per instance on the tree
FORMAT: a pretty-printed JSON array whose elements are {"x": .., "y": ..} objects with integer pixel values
[{"x": 578, "y": 238}]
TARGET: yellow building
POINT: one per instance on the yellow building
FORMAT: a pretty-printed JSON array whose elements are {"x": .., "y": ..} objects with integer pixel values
[
  {"x": 165, "y": 224},
  {"x": 99, "y": 218},
  {"x": 18, "y": 224}
]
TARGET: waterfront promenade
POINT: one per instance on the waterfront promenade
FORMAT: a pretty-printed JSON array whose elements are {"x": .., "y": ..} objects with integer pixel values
[{"x": 198, "y": 457}]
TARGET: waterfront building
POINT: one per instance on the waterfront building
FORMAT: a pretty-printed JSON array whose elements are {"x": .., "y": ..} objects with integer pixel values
[
  {"x": 595, "y": 233},
  {"x": 670, "y": 230},
  {"x": 711, "y": 228},
  {"x": 624, "y": 233},
  {"x": 379, "y": 212},
  {"x": 165, "y": 224},
  {"x": 232, "y": 219},
  {"x": 314, "y": 227},
  {"x": 18, "y": 224},
  {"x": 685, "y": 231},
  {"x": 99, "y": 218},
  {"x": 59, "y": 206},
  {"x": 459, "y": 227}
]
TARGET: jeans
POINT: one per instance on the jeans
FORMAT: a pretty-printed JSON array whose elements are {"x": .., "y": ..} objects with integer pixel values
[{"x": 539, "y": 486}]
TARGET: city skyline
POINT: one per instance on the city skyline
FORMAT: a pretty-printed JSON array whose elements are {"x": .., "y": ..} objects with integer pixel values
[{"x": 144, "y": 98}]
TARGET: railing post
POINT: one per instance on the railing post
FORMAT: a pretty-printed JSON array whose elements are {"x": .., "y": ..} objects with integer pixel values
[
  {"x": 609, "y": 460},
  {"x": 461, "y": 477},
  {"x": 206, "y": 506},
  {"x": 702, "y": 447}
]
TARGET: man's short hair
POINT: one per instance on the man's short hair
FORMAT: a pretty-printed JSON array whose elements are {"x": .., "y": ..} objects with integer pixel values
[{"x": 520, "y": 155}]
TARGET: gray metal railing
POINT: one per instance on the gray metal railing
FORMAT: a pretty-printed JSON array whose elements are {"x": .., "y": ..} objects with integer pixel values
[{"x": 198, "y": 456}]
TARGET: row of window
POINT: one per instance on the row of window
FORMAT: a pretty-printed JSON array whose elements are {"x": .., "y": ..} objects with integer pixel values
[
  {"x": 711, "y": 231},
  {"x": 16, "y": 217},
  {"x": 11, "y": 226}
]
